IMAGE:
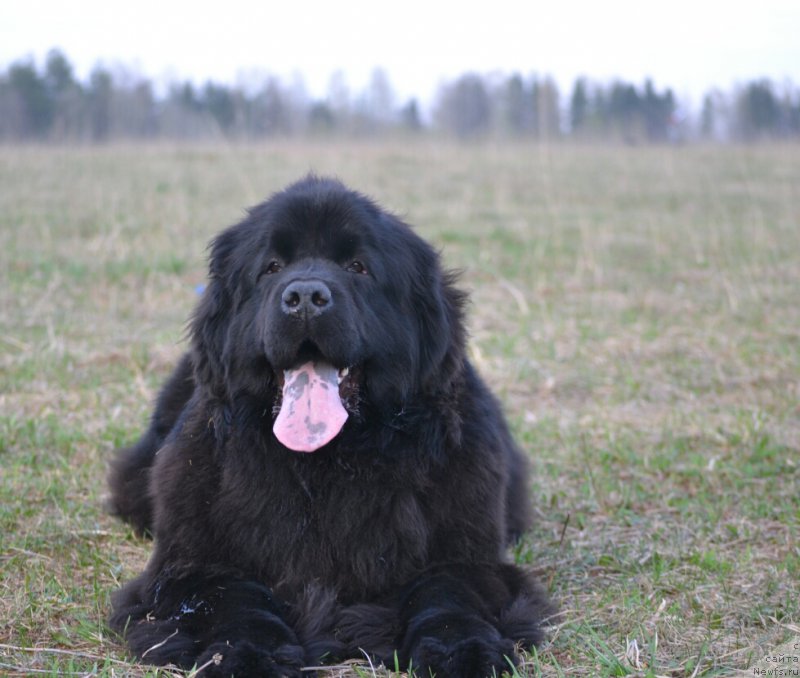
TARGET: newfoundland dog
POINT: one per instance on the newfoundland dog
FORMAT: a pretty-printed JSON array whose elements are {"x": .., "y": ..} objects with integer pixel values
[{"x": 325, "y": 475}]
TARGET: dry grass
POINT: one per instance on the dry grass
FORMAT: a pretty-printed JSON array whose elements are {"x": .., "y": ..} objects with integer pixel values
[{"x": 637, "y": 310}]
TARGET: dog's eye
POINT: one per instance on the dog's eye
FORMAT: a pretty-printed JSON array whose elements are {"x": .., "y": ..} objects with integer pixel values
[
  {"x": 357, "y": 267},
  {"x": 272, "y": 267}
]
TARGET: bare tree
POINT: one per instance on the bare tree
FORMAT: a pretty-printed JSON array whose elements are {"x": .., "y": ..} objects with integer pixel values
[{"x": 464, "y": 107}]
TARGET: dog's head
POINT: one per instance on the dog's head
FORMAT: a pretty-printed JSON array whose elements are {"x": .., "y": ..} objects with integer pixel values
[{"x": 319, "y": 301}]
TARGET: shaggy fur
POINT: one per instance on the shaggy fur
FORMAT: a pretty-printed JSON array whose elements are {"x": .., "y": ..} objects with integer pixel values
[{"x": 391, "y": 538}]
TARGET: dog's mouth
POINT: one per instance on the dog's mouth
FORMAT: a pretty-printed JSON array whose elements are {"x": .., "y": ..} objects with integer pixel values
[{"x": 314, "y": 402}]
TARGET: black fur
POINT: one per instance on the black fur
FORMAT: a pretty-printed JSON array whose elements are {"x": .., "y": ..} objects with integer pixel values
[{"x": 390, "y": 539}]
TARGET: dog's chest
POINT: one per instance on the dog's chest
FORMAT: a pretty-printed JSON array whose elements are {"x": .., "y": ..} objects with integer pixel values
[{"x": 357, "y": 535}]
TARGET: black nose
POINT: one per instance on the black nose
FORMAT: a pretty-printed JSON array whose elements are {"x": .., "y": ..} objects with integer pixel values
[{"x": 306, "y": 298}]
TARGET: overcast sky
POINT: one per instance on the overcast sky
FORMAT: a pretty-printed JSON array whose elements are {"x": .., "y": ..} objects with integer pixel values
[{"x": 688, "y": 45}]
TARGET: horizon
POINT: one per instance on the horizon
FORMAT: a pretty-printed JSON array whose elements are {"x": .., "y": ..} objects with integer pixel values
[{"x": 253, "y": 81}]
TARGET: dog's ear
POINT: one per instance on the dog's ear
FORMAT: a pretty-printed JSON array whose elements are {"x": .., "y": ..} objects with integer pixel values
[
  {"x": 211, "y": 319},
  {"x": 429, "y": 357},
  {"x": 439, "y": 305}
]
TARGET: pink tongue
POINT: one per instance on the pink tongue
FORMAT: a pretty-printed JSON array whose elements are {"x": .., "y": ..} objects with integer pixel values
[{"x": 311, "y": 413}]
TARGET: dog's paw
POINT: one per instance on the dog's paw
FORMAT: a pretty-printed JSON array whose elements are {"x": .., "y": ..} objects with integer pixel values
[
  {"x": 243, "y": 659},
  {"x": 468, "y": 658}
]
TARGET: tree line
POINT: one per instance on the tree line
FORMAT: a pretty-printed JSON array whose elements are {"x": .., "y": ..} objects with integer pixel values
[{"x": 49, "y": 103}]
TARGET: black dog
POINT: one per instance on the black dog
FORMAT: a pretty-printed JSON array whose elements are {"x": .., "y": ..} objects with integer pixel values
[{"x": 325, "y": 474}]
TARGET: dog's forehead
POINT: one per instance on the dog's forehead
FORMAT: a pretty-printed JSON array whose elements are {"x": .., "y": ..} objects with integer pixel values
[{"x": 327, "y": 229}]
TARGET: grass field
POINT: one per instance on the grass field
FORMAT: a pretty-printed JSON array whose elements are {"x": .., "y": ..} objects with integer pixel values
[{"x": 637, "y": 309}]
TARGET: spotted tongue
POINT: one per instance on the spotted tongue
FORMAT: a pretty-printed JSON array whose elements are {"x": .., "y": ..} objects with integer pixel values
[{"x": 311, "y": 411}]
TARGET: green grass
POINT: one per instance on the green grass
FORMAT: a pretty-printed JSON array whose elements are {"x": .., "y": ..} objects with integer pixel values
[{"x": 636, "y": 309}]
